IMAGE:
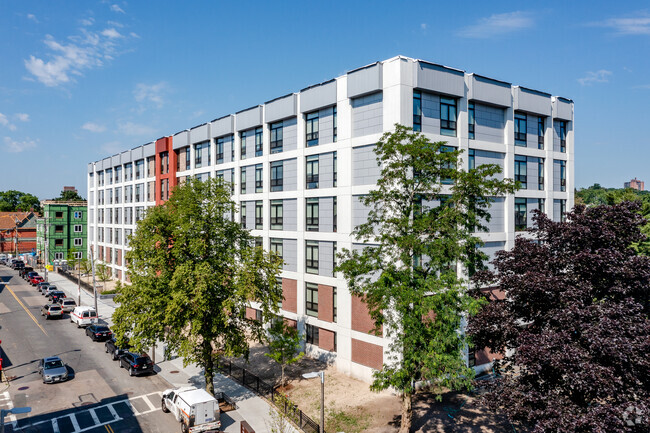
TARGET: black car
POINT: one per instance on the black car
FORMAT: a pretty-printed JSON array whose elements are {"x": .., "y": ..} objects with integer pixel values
[
  {"x": 136, "y": 363},
  {"x": 28, "y": 275},
  {"x": 54, "y": 295},
  {"x": 99, "y": 332},
  {"x": 25, "y": 270},
  {"x": 115, "y": 350}
]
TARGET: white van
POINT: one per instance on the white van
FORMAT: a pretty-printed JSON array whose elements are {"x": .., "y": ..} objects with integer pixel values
[{"x": 83, "y": 316}]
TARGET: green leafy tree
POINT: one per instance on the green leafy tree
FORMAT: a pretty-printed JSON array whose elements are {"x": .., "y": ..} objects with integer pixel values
[
  {"x": 284, "y": 345},
  {"x": 86, "y": 266},
  {"x": 193, "y": 272},
  {"x": 69, "y": 196},
  {"x": 421, "y": 224},
  {"x": 13, "y": 201},
  {"x": 103, "y": 272}
]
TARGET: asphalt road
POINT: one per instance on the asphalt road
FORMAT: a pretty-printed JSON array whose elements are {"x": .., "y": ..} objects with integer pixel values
[{"x": 98, "y": 397}]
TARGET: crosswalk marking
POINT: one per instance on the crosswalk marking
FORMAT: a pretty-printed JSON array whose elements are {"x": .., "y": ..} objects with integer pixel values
[
  {"x": 146, "y": 400},
  {"x": 75, "y": 424},
  {"x": 112, "y": 411},
  {"x": 55, "y": 426},
  {"x": 93, "y": 415}
]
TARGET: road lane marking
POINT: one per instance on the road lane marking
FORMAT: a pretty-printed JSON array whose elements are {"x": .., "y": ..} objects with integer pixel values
[
  {"x": 55, "y": 426},
  {"x": 75, "y": 424},
  {"x": 112, "y": 411},
  {"x": 133, "y": 409},
  {"x": 146, "y": 400},
  {"x": 109, "y": 428},
  {"x": 26, "y": 310},
  {"x": 94, "y": 416}
]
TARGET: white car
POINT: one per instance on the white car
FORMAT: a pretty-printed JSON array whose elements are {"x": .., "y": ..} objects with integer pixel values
[{"x": 83, "y": 316}]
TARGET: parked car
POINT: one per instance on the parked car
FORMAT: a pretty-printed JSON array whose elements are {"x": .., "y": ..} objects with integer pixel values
[
  {"x": 115, "y": 350},
  {"x": 196, "y": 409},
  {"x": 56, "y": 296},
  {"x": 99, "y": 332},
  {"x": 52, "y": 370},
  {"x": 35, "y": 280},
  {"x": 136, "y": 363},
  {"x": 42, "y": 284},
  {"x": 25, "y": 271},
  {"x": 67, "y": 304},
  {"x": 46, "y": 291},
  {"x": 83, "y": 316},
  {"x": 17, "y": 264},
  {"x": 51, "y": 311}
]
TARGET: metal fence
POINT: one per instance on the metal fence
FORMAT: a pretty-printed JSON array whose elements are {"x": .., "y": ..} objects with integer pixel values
[{"x": 282, "y": 403}]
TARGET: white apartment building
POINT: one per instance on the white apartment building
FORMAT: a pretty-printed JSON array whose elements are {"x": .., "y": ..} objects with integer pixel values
[{"x": 299, "y": 164}]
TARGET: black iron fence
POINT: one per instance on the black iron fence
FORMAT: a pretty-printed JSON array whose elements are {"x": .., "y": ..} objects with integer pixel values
[{"x": 279, "y": 400}]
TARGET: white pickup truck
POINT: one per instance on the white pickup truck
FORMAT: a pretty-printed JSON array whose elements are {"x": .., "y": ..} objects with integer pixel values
[{"x": 195, "y": 409}]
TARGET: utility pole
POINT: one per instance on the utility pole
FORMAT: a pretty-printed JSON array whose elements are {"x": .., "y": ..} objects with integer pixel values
[
  {"x": 92, "y": 262},
  {"x": 47, "y": 249},
  {"x": 79, "y": 279}
]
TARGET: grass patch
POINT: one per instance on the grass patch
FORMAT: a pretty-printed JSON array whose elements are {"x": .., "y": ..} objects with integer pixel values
[{"x": 355, "y": 421}]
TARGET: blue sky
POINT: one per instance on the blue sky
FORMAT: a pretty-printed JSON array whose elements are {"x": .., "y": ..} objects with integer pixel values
[{"x": 82, "y": 80}]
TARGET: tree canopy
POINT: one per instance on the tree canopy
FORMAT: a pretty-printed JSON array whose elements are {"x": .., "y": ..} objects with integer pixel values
[
  {"x": 574, "y": 324},
  {"x": 13, "y": 201},
  {"x": 421, "y": 225},
  {"x": 69, "y": 196},
  {"x": 193, "y": 272}
]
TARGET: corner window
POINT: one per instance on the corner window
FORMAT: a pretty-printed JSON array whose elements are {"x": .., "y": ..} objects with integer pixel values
[
  {"x": 540, "y": 133},
  {"x": 242, "y": 214},
  {"x": 242, "y": 136},
  {"x": 520, "y": 129},
  {"x": 521, "y": 171},
  {"x": 562, "y": 175},
  {"x": 312, "y": 215},
  {"x": 311, "y": 262},
  {"x": 447, "y": 116},
  {"x": 562, "y": 136},
  {"x": 276, "y": 214},
  {"x": 276, "y": 137},
  {"x": 471, "y": 159},
  {"x": 335, "y": 125},
  {"x": 417, "y": 111},
  {"x": 311, "y": 299},
  {"x": 312, "y": 129},
  {"x": 540, "y": 174},
  {"x": 312, "y": 172},
  {"x": 277, "y": 176},
  {"x": 471, "y": 121},
  {"x": 335, "y": 170},
  {"x": 259, "y": 142},
  {"x": 520, "y": 214}
]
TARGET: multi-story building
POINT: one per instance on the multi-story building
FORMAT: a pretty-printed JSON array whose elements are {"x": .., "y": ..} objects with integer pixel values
[
  {"x": 17, "y": 232},
  {"x": 300, "y": 163},
  {"x": 63, "y": 231},
  {"x": 634, "y": 184}
]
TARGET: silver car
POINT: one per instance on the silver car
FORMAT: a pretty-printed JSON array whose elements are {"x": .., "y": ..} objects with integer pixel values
[
  {"x": 52, "y": 370},
  {"x": 67, "y": 304},
  {"x": 51, "y": 311}
]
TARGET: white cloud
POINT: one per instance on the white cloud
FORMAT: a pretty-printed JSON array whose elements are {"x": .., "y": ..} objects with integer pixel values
[
  {"x": 636, "y": 25},
  {"x": 32, "y": 17},
  {"x": 4, "y": 121},
  {"x": 130, "y": 128},
  {"x": 87, "y": 22},
  {"x": 600, "y": 76},
  {"x": 116, "y": 8},
  {"x": 14, "y": 146},
  {"x": 423, "y": 26},
  {"x": 112, "y": 147},
  {"x": 111, "y": 33},
  {"x": 151, "y": 93},
  {"x": 85, "y": 51},
  {"x": 23, "y": 117},
  {"x": 93, "y": 127},
  {"x": 498, "y": 24}
]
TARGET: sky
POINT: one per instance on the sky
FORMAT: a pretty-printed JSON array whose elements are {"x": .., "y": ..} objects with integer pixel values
[{"x": 81, "y": 80}]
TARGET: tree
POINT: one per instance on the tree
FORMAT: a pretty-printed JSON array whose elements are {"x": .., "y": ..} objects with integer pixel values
[
  {"x": 103, "y": 272},
  {"x": 575, "y": 321},
  {"x": 284, "y": 345},
  {"x": 194, "y": 270},
  {"x": 13, "y": 201},
  {"x": 69, "y": 196},
  {"x": 420, "y": 226}
]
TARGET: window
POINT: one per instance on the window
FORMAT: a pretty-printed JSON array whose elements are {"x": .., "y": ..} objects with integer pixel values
[
  {"x": 242, "y": 214},
  {"x": 520, "y": 214},
  {"x": 164, "y": 165},
  {"x": 335, "y": 130},
  {"x": 417, "y": 110},
  {"x": 311, "y": 334},
  {"x": 312, "y": 172},
  {"x": 277, "y": 176},
  {"x": 259, "y": 178},
  {"x": 312, "y": 129},
  {"x": 118, "y": 196},
  {"x": 242, "y": 181},
  {"x": 77, "y": 214},
  {"x": 521, "y": 171},
  {"x": 118, "y": 174},
  {"x": 520, "y": 129},
  {"x": 312, "y": 214},
  {"x": 334, "y": 307},
  {"x": 58, "y": 256},
  {"x": 259, "y": 142},
  {"x": 312, "y": 257},
  {"x": 562, "y": 175},
  {"x": 138, "y": 192},
  {"x": 448, "y": 166},
  {"x": 58, "y": 229},
  {"x": 540, "y": 174},
  {"x": 259, "y": 242},
  {"x": 562, "y": 136},
  {"x": 109, "y": 176},
  {"x": 128, "y": 171},
  {"x": 541, "y": 205},
  {"x": 447, "y": 116},
  {"x": 201, "y": 153},
  {"x": 151, "y": 166},
  {"x": 471, "y": 122},
  {"x": 259, "y": 215},
  {"x": 58, "y": 215},
  {"x": 276, "y": 214},
  {"x": 563, "y": 210},
  {"x": 335, "y": 215},
  {"x": 311, "y": 299},
  {"x": 58, "y": 243},
  {"x": 540, "y": 133},
  {"x": 220, "y": 142},
  {"x": 471, "y": 159},
  {"x": 78, "y": 255},
  {"x": 242, "y": 135},
  {"x": 471, "y": 356},
  {"x": 78, "y": 242},
  {"x": 276, "y": 137},
  {"x": 78, "y": 228},
  {"x": 335, "y": 169},
  {"x": 276, "y": 246},
  {"x": 139, "y": 213}
]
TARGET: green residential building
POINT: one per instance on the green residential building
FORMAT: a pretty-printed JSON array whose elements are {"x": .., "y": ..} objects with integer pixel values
[{"x": 63, "y": 231}]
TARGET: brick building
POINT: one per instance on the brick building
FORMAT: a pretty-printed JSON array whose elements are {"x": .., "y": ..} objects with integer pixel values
[{"x": 22, "y": 223}]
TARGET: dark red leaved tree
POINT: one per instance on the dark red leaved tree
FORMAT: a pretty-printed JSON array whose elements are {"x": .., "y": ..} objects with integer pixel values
[{"x": 574, "y": 324}]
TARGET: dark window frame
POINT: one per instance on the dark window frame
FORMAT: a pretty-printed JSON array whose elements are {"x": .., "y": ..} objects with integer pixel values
[
  {"x": 521, "y": 124},
  {"x": 311, "y": 221},
  {"x": 471, "y": 120},
  {"x": 242, "y": 180},
  {"x": 417, "y": 111},
  {"x": 521, "y": 161},
  {"x": 276, "y": 214},
  {"x": 259, "y": 141},
  {"x": 448, "y": 109},
  {"x": 311, "y": 299},
  {"x": 540, "y": 132},
  {"x": 259, "y": 215},
  {"x": 311, "y": 178},
  {"x": 311, "y": 334},
  {"x": 311, "y": 251},
  {"x": 259, "y": 178},
  {"x": 277, "y": 182},
  {"x": 277, "y": 138},
  {"x": 521, "y": 215},
  {"x": 311, "y": 128}
]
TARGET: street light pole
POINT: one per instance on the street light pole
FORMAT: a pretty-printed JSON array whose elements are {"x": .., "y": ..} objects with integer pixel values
[
  {"x": 320, "y": 374},
  {"x": 79, "y": 280}
]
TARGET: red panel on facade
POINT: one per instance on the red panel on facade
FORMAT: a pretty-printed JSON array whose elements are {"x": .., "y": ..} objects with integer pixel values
[
  {"x": 325, "y": 303},
  {"x": 326, "y": 339},
  {"x": 368, "y": 354},
  {"x": 290, "y": 293},
  {"x": 361, "y": 320}
]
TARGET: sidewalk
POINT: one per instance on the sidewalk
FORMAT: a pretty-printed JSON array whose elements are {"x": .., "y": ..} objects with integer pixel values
[{"x": 250, "y": 407}]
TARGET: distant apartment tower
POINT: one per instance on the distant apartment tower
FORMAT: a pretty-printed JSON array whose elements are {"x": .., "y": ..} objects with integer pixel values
[
  {"x": 300, "y": 163},
  {"x": 634, "y": 184},
  {"x": 62, "y": 233}
]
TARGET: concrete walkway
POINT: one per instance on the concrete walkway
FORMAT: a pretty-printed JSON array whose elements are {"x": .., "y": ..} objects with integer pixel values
[{"x": 250, "y": 407}]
